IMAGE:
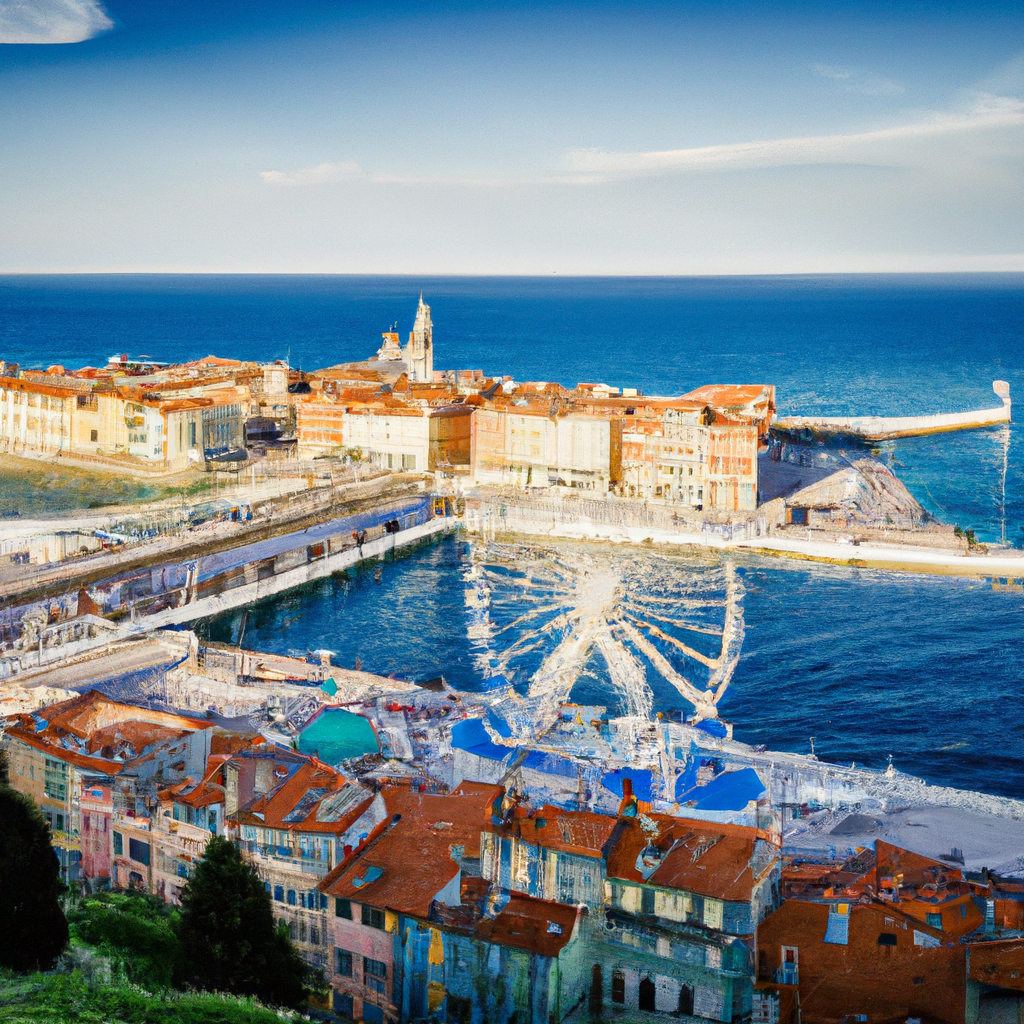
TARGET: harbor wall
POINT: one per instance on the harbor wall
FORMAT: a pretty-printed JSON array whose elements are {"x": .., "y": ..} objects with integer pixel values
[
  {"x": 493, "y": 518},
  {"x": 326, "y": 565},
  {"x": 886, "y": 427},
  {"x": 244, "y": 583}
]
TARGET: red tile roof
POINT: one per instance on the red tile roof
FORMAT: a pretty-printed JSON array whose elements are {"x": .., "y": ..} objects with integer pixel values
[
  {"x": 314, "y": 797},
  {"x": 408, "y": 859},
  {"x": 80, "y": 730},
  {"x": 581, "y": 832},
  {"x": 701, "y": 857}
]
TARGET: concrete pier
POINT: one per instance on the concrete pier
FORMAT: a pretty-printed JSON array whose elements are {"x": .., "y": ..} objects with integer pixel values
[{"x": 886, "y": 428}]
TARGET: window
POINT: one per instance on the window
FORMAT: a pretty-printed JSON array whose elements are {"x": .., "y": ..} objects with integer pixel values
[
  {"x": 372, "y": 917},
  {"x": 292, "y": 900},
  {"x": 887, "y": 939},
  {"x": 375, "y": 985},
  {"x": 118, "y": 844},
  {"x": 372, "y": 1014},
  {"x": 934, "y": 920},
  {"x": 94, "y": 435},
  {"x": 343, "y": 908},
  {"x": 279, "y": 893},
  {"x": 408, "y": 462},
  {"x": 343, "y": 1004},
  {"x": 138, "y": 851},
  {"x": 790, "y": 973},
  {"x": 618, "y": 987},
  {"x": 376, "y": 968},
  {"x": 55, "y": 779},
  {"x": 646, "y": 900}
]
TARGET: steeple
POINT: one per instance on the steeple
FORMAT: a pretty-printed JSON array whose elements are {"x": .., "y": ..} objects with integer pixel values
[{"x": 419, "y": 353}]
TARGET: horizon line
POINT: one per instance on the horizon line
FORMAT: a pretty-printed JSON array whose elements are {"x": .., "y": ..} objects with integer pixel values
[{"x": 1005, "y": 272}]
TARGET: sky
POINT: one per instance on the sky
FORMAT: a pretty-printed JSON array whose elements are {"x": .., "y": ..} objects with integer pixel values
[{"x": 511, "y": 138}]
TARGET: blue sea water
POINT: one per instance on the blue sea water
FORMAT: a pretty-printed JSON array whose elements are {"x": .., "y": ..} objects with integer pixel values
[
  {"x": 926, "y": 669},
  {"x": 833, "y": 345},
  {"x": 870, "y": 664}
]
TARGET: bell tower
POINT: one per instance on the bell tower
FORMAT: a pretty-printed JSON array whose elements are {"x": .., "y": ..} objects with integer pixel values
[{"x": 419, "y": 353}]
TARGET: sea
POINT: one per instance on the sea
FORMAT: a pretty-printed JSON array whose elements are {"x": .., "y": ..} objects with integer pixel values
[{"x": 860, "y": 666}]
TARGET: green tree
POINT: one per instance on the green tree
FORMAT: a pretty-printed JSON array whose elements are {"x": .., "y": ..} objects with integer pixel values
[
  {"x": 228, "y": 939},
  {"x": 33, "y": 929}
]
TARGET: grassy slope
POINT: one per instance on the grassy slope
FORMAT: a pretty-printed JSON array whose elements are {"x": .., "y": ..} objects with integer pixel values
[{"x": 69, "y": 999}]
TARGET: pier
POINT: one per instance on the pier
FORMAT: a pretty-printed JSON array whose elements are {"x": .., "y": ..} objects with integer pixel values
[{"x": 887, "y": 428}]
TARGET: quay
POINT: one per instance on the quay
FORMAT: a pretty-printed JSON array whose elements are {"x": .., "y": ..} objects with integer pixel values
[
  {"x": 887, "y": 428},
  {"x": 495, "y": 516},
  {"x": 170, "y": 593}
]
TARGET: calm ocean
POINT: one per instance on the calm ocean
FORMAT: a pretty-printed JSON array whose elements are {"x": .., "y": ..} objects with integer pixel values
[{"x": 870, "y": 664}]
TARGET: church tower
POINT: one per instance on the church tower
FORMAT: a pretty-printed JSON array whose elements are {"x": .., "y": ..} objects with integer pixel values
[{"x": 419, "y": 353}]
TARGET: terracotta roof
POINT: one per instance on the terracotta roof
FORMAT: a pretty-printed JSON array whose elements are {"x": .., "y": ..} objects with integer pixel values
[
  {"x": 730, "y": 394},
  {"x": 702, "y": 857},
  {"x": 215, "y": 361},
  {"x": 407, "y": 861},
  {"x": 916, "y": 869},
  {"x": 538, "y": 926},
  {"x": 208, "y": 790},
  {"x": 580, "y": 832},
  {"x": 93, "y": 764},
  {"x": 84, "y": 714},
  {"x": 81, "y": 729},
  {"x": 311, "y": 797}
]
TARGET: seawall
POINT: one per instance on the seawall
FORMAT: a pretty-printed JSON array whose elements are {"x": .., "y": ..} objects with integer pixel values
[{"x": 491, "y": 518}]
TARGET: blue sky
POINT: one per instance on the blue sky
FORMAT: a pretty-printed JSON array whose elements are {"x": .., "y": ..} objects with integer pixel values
[{"x": 511, "y": 138}]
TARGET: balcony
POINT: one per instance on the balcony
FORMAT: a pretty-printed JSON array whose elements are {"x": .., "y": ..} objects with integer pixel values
[{"x": 285, "y": 858}]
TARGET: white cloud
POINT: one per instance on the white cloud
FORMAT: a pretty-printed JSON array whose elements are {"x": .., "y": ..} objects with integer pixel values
[
  {"x": 330, "y": 173},
  {"x": 51, "y": 21},
  {"x": 853, "y": 148},
  {"x": 855, "y": 81},
  {"x": 831, "y": 71},
  {"x": 322, "y": 174}
]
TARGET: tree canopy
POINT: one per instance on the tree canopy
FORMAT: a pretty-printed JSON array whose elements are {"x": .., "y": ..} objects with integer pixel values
[
  {"x": 33, "y": 929},
  {"x": 229, "y": 942}
]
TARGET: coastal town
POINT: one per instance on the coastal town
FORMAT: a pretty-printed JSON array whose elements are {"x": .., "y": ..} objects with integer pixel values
[{"x": 503, "y": 854}]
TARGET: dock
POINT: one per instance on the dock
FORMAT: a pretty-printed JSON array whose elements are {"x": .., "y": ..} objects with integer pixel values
[{"x": 887, "y": 428}]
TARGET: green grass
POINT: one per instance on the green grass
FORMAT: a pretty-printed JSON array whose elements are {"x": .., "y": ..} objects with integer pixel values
[
  {"x": 118, "y": 970},
  {"x": 36, "y": 488},
  {"x": 70, "y": 999}
]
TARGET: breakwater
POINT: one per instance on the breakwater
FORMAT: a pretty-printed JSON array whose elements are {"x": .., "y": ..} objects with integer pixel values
[
  {"x": 171, "y": 593},
  {"x": 573, "y": 518},
  {"x": 887, "y": 428}
]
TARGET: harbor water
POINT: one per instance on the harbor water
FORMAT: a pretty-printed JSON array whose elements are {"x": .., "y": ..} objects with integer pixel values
[{"x": 869, "y": 664}]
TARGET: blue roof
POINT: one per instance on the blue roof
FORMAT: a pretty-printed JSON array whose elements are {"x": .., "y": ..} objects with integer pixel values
[
  {"x": 713, "y": 727},
  {"x": 471, "y": 736},
  {"x": 499, "y": 725},
  {"x": 553, "y": 764},
  {"x": 730, "y": 791},
  {"x": 642, "y": 780}
]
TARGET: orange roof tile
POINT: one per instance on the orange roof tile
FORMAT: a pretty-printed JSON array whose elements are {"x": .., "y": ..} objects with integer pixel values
[
  {"x": 580, "y": 832},
  {"x": 407, "y": 861},
  {"x": 702, "y": 857},
  {"x": 314, "y": 797}
]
